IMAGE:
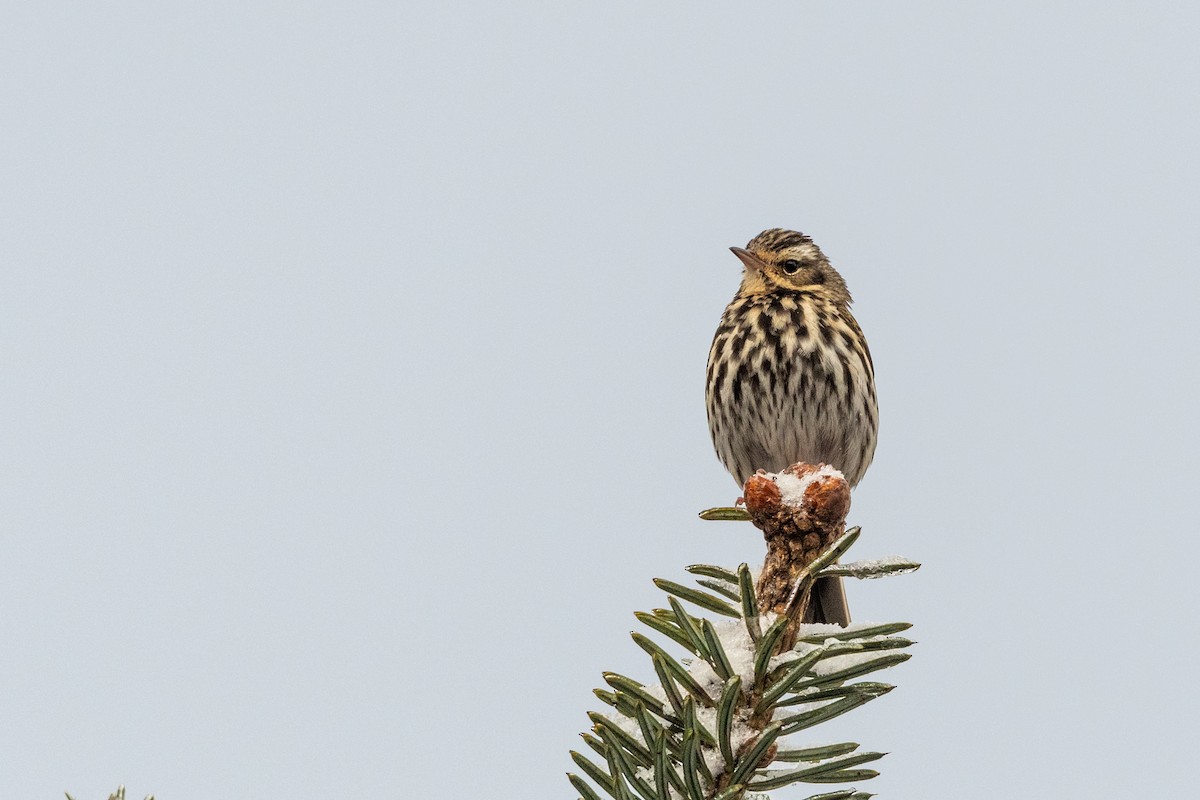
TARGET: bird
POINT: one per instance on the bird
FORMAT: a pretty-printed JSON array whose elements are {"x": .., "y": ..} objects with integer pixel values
[{"x": 790, "y": 377}]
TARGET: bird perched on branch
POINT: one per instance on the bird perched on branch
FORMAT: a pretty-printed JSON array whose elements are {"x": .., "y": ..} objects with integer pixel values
[{"x": 790, "y": 378}]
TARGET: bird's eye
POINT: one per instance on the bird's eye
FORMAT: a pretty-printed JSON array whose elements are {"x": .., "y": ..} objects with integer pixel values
[{"x": 790, "y": 266}]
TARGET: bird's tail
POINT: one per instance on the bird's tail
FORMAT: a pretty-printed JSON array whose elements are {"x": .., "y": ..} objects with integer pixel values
[{"x": 828, "y": 603}]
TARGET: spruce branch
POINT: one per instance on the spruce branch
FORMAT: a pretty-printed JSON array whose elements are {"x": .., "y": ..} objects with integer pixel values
[
  {"x": 119, "y": 794},
  {"x": 715, "y": 726}
]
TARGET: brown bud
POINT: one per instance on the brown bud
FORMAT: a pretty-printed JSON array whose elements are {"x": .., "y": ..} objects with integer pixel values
[
  {"x": 829, "y": 499},
  {"x": 762, "y": 495}
]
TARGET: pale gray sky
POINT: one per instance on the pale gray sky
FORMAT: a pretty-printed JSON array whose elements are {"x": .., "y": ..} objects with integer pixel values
[{"x": 351, "y": 390}]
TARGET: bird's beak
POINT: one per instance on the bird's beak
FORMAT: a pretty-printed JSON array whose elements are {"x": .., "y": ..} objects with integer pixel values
[{"x": 749, "y": 259}]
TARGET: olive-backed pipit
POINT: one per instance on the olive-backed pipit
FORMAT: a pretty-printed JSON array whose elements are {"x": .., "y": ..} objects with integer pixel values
[{"x": 790, "y": 377}]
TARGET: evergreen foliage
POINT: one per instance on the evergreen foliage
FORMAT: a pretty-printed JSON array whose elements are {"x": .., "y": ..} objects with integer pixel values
[
  {"x": 714, "y": 726},
  {"x": 119, "y": 794}
]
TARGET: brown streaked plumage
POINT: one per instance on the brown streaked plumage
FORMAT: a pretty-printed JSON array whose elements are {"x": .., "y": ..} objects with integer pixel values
[{"x": 790, "y": 376}]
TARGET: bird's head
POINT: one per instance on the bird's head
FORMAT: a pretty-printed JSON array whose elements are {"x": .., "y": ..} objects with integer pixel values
[{"x": 779, "y": 260}]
